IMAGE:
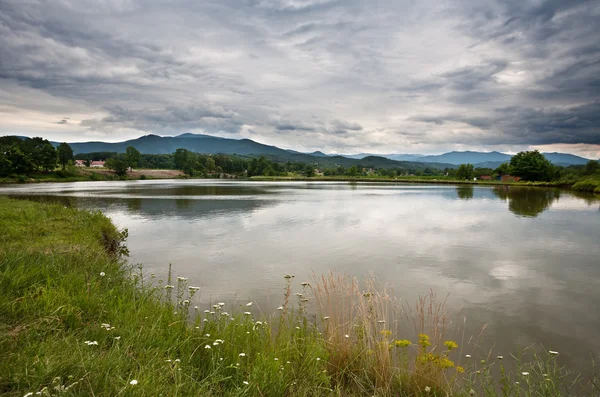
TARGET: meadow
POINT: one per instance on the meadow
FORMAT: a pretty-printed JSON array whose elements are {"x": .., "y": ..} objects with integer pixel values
[{"x": 77, "y": 319}]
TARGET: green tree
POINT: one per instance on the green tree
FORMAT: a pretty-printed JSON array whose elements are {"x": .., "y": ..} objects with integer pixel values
[
  {"x": 48, "y": 157},
  {"x": 118, "y": 164},
  {"x": 503, "y": 169},
  {"x": 132, "y": 156},
  {"x": 352, "y": 171},
  {"x": 532, "y": 166},
  {"x": 465, "y": 171},
  {"x": 41, "y": 152},
  {"x": 309, "y": 170},
  {"x": 591, "y": 167},
  {"x": 65, "y": 154}
]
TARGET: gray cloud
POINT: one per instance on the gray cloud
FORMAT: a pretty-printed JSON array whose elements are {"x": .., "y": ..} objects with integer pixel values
[{"x": 305, "y": 74}]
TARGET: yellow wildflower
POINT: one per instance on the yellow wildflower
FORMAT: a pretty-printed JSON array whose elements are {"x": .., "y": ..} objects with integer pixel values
[
  {"x": 386, "y": 332},
  {"x": 460, "y": 369},
  {"x": 424, "y": 340},
  {"x": 450, "y": 344},
  {"x": 402, "y": 343},
  {"x": 445, "y": 362}
]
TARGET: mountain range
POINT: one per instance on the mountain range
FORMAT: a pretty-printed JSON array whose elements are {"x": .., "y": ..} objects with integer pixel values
[
  {"x": 154, "y": 144},
  {"x": 479, "y": 159}
]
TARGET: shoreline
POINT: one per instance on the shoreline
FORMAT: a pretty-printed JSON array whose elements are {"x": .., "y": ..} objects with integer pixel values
[{"x": 157, "y": 174}]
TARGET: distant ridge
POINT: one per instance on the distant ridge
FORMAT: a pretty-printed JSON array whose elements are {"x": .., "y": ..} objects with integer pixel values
[
  {"x": 154, "y": 144},
  {"x": 202, "y": 143}
]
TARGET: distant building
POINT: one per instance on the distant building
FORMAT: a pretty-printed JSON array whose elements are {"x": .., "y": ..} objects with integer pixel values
[
  {"x": 97, "y": 164},
  {"x": 79, "y": 163},
  {"x": 485, "y": 177},
  {"x": 509, "y": 178}
]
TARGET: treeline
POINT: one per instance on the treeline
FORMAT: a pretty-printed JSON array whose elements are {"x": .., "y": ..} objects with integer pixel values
[
  {"x": 25, "y": 156},
  {"x": 533, "y": 166}
]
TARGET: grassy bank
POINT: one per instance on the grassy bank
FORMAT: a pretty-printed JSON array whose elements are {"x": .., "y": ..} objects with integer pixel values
[
  {"x": 75, "y": 320},
  {"x": 90, "y": 174}
]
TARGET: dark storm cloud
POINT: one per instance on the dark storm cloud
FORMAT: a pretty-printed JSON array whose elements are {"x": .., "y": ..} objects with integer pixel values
[{"x": 320, "y": 74}]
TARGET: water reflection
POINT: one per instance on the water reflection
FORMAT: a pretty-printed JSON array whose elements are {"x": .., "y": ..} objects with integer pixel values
[
  {"x": 465, "y": 192},
  {"x": 527, "y": 202}
]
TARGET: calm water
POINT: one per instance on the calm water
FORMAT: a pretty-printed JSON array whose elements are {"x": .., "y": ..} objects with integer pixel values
[{"x": 524, "y": 261}]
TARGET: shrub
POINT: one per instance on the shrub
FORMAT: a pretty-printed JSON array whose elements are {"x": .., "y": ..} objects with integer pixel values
[{"x": 587, "y": 185}]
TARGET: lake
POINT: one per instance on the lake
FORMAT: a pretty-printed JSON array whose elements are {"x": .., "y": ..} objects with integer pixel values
[{"x": 525, "y": 261}]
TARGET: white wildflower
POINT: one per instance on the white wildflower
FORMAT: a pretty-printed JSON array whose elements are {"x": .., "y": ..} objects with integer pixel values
[
  {"x": 207, "y": 311},
  {"x": 169, "y": 286},
  {"x": 326, "y": 318},
  {"x": 318, "y": 359},
  {"x": 186, "y": 302},
  {"x": 381, "y": 321},
  {"x": 221, "y": 304},
  {"x": 224, "y": 314},
  {"x": 347, "y": 336},
  {"x": 196, "y": 307},
  {"x": 117, "y": 338},
  {"x": 249, "y": 304},
  {"x": 554, "y": 353},
  {"x": 467, "y": 355},
  {"x": 258, "y": 323},
  {"x": 207, "y": 347},
  {"x": 205, "y": 320},
  {"x": 28, "y": 394},
  {"x": 91, "y": 343},
  {"x": 247, "y": 313},
  {"x": 427, "y": 389},
  {"x": 304, "y": 284},
  {"x": 276, "y": 359},
  {"x": 242, "y": 354},
  {"x": 133, "y": 382},
  {"x": 207, "y": 335},
  {"x": 245, "y": 382},
  {"x": 500, "y": 357},
  {"x": 525, "y": 373},
  {"x": 298, "y": 294},
  {"x": 472, "y": 392},
  {"x": 280, "y": 308},
  {"x": 102, "y": 274},
  {"x": 182, "y": 278}
]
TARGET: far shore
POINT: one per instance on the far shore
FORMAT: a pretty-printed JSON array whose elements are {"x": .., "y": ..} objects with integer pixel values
[{"x": 102, "y": 174}]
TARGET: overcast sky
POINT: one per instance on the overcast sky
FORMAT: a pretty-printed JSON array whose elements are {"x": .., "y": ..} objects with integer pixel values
[{"x": 340, "y": 76}]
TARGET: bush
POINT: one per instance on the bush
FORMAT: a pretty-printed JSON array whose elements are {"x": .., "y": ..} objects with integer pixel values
[
  {"x": 587, "y": 185},
  {"x": 143, "y": 177}
]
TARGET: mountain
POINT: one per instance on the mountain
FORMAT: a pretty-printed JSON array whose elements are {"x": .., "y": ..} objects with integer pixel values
[
  {"x": 466, "y": 157},
  {"x": 201, "y": 143},
  {"x": 154, "y": 144},
  {"x": 565, "y": 159},
  {"x": 391, "y": 156}
]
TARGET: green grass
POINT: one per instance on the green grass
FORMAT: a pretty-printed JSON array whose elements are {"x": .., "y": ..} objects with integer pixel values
[
  {"x": 588, "y": 185},
  {"x": 76, "y": 320}
]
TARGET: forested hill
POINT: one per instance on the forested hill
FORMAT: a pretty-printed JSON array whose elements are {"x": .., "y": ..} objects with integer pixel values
[{"x": 154, "y": 144}]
